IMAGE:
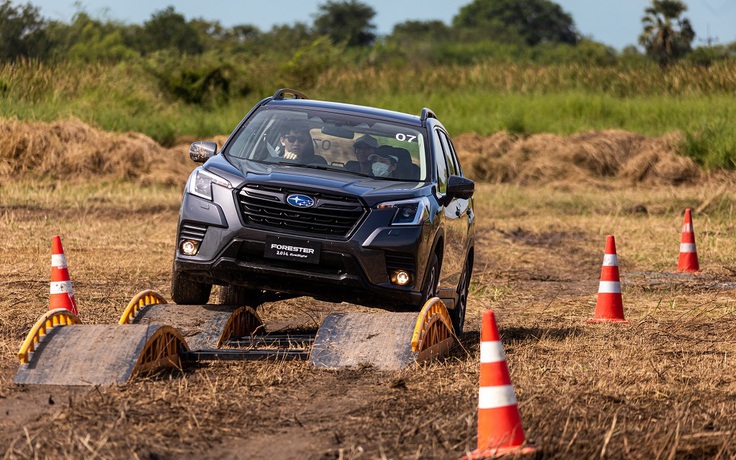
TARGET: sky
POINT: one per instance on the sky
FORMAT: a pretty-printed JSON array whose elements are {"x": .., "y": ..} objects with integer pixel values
[{"x": 616, "y": 23}]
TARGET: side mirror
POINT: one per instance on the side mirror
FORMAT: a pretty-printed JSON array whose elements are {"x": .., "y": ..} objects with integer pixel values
[
  {"x": 460, "y": 187},
  {"x": 202, "y": 151}
]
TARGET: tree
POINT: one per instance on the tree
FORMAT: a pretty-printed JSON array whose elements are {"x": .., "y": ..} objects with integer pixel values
[
  {"x": 534, "y": 21},
  {"x": 168, "y": 29},
  {"x": 346, "y": 22},
  {"x": 414, "y": 31},
  {"x": 244, "y": 32},
  {"x": 666, "y": 35},
  {"x": 22, "y": 32},
  {"x": 88, "y": 39},
  {"x": 284, "y": 39},
  {"x": 212, "y": 34}
]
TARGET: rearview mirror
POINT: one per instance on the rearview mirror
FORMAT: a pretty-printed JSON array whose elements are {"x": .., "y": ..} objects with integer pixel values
[{"x": 338, "y": 131}]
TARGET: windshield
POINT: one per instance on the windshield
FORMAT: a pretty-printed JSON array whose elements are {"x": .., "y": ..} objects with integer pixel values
[{"x": 349, "y": 143}]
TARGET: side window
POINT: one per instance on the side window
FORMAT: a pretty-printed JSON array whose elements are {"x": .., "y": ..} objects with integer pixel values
[
  {"x": 449, "y": 154},
  {"x": 439, "y": 160},
  {"x": 455, "y": 159}
]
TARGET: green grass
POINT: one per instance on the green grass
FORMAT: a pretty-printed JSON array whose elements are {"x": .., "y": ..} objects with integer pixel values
[
  {"x": 565, "y": 112},
  {"x": 482, "y": 99}
]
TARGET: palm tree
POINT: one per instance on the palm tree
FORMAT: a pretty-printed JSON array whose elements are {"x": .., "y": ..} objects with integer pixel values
[{"x": 666, "y": 35}]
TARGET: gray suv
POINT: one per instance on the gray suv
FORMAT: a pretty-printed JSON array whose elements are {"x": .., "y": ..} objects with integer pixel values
[{"x": 329, "y": 200}]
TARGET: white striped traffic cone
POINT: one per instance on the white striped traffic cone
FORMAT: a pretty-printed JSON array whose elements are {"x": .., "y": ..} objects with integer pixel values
[
  {"x": 688, "y": 260},
  {"x": 499, "y": 423},
  {"x": 609, "y": 307},
  {"x": 62, "y": 294}
]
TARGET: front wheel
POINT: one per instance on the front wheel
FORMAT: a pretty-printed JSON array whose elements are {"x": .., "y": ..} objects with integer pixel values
[
  {"x": 458, "y": 313},
  {"x": 186, "y": 291},
  {"x": 430, "y": 283},
  {"x": 237, "y": 295}
]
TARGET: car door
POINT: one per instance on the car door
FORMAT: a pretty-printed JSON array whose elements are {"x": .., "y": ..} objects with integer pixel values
[{"x": 457, "y": 219}]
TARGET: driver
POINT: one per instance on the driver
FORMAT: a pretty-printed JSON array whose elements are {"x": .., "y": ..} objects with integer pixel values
[{"x": 297, "y": 145}]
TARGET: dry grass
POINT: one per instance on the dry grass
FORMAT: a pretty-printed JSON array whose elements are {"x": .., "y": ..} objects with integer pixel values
[
  {"x": 662, "y": 387},
  {"x": 73, "y": 151},
  {"x": 595, "y": 158}
]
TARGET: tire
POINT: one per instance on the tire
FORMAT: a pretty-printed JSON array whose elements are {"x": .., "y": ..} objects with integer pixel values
[
  {"x": 186, "y": 291},
  {"x": 458, "y": 313},
  {"x": 430, "y": 284},
  {"x": 240, "y": 296}
]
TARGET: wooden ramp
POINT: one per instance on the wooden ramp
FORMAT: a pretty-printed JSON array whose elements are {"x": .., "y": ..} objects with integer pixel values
[
  {"x": 60, "y": 350},
  {"x": 356, "y": 339},
  {"x": 100, "y": 354},
  {"x": 387, "y": 341},
  {"x": 202, "y": 326}
]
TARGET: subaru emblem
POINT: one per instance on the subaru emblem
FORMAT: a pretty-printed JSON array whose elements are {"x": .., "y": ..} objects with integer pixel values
[{"x": 300, "y": 201}]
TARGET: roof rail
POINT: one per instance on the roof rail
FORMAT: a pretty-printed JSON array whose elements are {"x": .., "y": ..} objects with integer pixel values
[
  {"x": 279, "y": 95},
  {"x": 427, "y": 113}
]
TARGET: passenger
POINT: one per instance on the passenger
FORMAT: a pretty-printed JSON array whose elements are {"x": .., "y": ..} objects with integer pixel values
[
  {"x": 406, "y": 169},
  {"x": 363, "y": 147},
  {"x": 384, "y": 162},
  {"x": 297, "y": 145}
]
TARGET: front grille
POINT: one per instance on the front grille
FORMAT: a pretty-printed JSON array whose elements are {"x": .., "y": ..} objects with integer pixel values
[
  {"x": 332, "y": 215},
  {"x": 192, "y": 232}
]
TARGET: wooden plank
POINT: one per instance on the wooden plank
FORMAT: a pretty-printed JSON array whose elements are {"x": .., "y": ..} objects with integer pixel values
[
  {"x": 201, "y": 325},
  {"x": 382, "y": 340},
  {"x": 86, "y": 354}
]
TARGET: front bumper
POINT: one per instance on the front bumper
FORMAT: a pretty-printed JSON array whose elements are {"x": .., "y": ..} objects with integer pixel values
[{"x": 354, "y": 270}]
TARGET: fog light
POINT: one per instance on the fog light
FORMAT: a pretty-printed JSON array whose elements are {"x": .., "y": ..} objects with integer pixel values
[
  {"x": 402, "y": 278},
  {"x": 189, "y": 247}
]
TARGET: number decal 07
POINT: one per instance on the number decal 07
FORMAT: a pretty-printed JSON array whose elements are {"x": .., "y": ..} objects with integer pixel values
[
  {"x": 401, "y": 137},
  {"x": 323, "y": 144}
]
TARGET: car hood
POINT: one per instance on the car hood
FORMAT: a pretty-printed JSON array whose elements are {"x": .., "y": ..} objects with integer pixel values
[{"x": 372, "y": 190}]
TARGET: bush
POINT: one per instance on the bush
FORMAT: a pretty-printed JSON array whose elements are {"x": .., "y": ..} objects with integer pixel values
[
  {"x": 310, "y": 61},
  {"x": 711, "y": 146},
  {"x": 708, "y": 55},
  {"x": 200, "y": 80}
]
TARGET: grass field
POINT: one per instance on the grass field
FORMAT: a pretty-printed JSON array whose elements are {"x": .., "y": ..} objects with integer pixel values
[
  {"x": 663, "y": 386},
  {"x": 484, "y": 98}
]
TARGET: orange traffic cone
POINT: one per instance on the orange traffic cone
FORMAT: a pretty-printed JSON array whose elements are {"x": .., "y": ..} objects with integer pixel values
[
  {"x": 609, "y": 308},
  {"x": 688, "y": 261},
  {"x": 499, "y": 423},
  {"x": 62, "y": 294}
]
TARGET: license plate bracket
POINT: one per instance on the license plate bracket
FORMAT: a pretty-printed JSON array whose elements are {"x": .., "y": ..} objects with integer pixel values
[{"x": 295, "y": 250}]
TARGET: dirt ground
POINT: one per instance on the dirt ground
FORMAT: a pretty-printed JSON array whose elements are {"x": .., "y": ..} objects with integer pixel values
[{"x": 663, "y": 386}]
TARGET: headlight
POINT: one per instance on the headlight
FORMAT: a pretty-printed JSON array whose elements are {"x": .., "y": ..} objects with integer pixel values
[
  {"x": 201, "y": 181},
  {"x": 408, "y": 212}
]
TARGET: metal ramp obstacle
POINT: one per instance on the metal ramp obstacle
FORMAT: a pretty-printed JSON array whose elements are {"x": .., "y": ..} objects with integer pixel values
[
  {"x": 380, "y": 339},
  {"x": 153, "y": 335},
  {"x": 62, "y": 351}
]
